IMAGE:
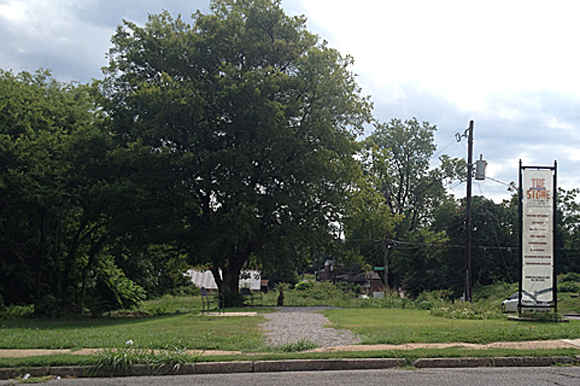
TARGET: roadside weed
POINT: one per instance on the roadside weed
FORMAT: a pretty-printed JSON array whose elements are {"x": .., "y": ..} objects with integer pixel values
[{"x": 301, "y": 345}]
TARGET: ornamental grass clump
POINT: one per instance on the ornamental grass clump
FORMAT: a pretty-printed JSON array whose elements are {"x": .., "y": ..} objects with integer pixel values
[{"x": 119, "y": 359}]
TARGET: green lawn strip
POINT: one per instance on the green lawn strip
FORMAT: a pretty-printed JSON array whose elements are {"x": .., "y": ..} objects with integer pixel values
[
  {"x": 397, "y": 326},
  {"x": 409, "y": 355},
  {"x": 568, "y": 304},
  {"x": 243, "y": 333},
  {"x": 172, "y": 305},
  {"x": 182, "y": 331},
  {"x": 48, "y": 361}
]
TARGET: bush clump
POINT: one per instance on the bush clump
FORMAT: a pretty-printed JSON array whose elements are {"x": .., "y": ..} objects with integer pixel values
[
  {"x": 481, "y": 310},
  {"x": 48, "y": 306},
  {"x": 303, "y": 285},
  {"x": 316, "y": 294},
  {"x": 301, "y": 345},
  {"x": 431, "y": 300},
  {"x": 570, "y": 276},
  {"x": 569, "y": 286},
  {"x": 15, "y": 312}
]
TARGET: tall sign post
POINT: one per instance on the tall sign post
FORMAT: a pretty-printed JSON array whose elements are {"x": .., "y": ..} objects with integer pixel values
[{"x": 537, "y": 212}]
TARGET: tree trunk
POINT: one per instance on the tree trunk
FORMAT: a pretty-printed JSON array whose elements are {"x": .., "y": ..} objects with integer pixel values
[{"x": 229, "y": 282}]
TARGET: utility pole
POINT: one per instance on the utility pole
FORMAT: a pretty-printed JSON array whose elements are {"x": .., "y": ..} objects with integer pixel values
[{"x": 468, "y": 225}]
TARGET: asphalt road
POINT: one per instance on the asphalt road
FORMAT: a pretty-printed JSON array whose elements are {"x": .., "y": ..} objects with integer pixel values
[{"x": 561, "y": 376}]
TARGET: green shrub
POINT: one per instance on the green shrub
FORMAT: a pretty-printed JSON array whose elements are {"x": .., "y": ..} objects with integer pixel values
[
  {"x": 187, "y": 290},
  {"x": 126, "y": 293},
  {"x": 170, "y": 305},
  {"x": 569, "y": 286},
  {"x": 317, "y": 293},
  {"x": 15, "y": 312},
  {"x": 301, "y": 345},
  {"x": 541, "y": 316},
  {"x": 348, "y": 287},
  {"x": 431, "y": 300},
  {"x": 303, "y": 285},
  {"x": 282, "y": 286},
  {"x": 570, "y": 276},
  {"x": 113, "y": 290},
  {"x": 481, "y": 310},
  {"x": 48, "y": 306},
  {"x": 496, "y": 292}
]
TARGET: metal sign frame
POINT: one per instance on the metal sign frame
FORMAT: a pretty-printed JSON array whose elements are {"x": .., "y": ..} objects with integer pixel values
[{"x": 522, "y": 261}]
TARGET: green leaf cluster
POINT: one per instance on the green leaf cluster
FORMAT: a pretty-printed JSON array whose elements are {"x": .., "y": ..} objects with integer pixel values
[{"x": 255, "y": 120}]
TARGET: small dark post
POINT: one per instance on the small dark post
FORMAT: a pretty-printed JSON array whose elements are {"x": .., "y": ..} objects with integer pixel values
[{"x": 386, "y": 264}]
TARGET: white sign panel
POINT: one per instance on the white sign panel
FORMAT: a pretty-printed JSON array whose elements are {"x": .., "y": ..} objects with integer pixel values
[{"x": 537, "y": 237}]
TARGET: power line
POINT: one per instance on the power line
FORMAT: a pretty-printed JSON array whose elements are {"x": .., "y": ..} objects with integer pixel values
[
  {"x": 494, "y": 230},
  {"x": 442, "y": 150},
  {"x": 500, "y": 182}
]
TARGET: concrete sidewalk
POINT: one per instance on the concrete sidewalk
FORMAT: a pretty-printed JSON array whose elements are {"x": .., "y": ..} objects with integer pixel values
[
  {"x": 305, "y": 364},
  {"x": 526, "y": 345},
  {"x": 284, "y": 365}
]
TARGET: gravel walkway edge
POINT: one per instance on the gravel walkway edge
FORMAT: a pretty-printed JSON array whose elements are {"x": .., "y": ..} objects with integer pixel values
[{"x": 291, "y": 325}]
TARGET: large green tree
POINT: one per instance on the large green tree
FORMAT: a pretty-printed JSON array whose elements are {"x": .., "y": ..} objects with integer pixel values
[
  {"x": 368, "y": 222},
  {"x": 568, "y": 231},
  {"x": 399, "y": 155},
  {"x": 261, "y": 117},
  {"x": 48, "y": 224},
  {"x": 70, "y": 203},
  {"x": 494, "y": 254}
]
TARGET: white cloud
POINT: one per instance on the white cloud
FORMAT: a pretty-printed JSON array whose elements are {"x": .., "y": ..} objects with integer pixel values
[
  {"x": 71, "y": 37},
  {"x": 13, "y": 11},
  {"x": 463, "y": 49},
  {"x": 511, "y": 66},
  {"x": 49, "y": 35}
]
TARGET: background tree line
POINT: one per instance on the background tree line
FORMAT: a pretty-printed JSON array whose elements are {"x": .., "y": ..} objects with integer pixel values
[{"x": 228, "y": 143}]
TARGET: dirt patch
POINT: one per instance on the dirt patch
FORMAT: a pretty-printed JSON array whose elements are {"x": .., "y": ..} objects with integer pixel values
[
  {"x": 32, "y": 353},
  {"x": 529, "y": 345},
  {"x": 92, "y": 351}
]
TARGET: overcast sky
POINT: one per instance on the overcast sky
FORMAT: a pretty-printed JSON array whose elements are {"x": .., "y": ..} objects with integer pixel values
[{"x": 511, "y": 66}]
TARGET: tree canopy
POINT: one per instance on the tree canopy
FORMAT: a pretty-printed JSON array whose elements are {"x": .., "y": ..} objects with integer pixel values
[
  {"x": 228, "y": 142},
  {"x": 52, "y": 160},
  {"x": 259, "y": 117},
  {"x": 397, "y": 156}
]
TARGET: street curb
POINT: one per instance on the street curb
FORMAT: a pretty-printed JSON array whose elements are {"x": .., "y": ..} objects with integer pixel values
[
  {"x": 285, "y": 365},
  {"x": 428, "y": 363},
  {"x": 209, "y": 368},
  {"x": 327, "y": 364}
]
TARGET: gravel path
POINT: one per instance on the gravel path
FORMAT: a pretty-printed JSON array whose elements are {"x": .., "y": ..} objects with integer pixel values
[{"x": 293, "y": 324}]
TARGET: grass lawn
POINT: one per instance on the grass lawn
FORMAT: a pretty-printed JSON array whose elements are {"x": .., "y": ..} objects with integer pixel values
[
  {"x": 243, "y": 333},
  {"x": 397, "y": 326},
  {"x": 183, "y": 331},
  {"x": 568, "y": 304}
]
